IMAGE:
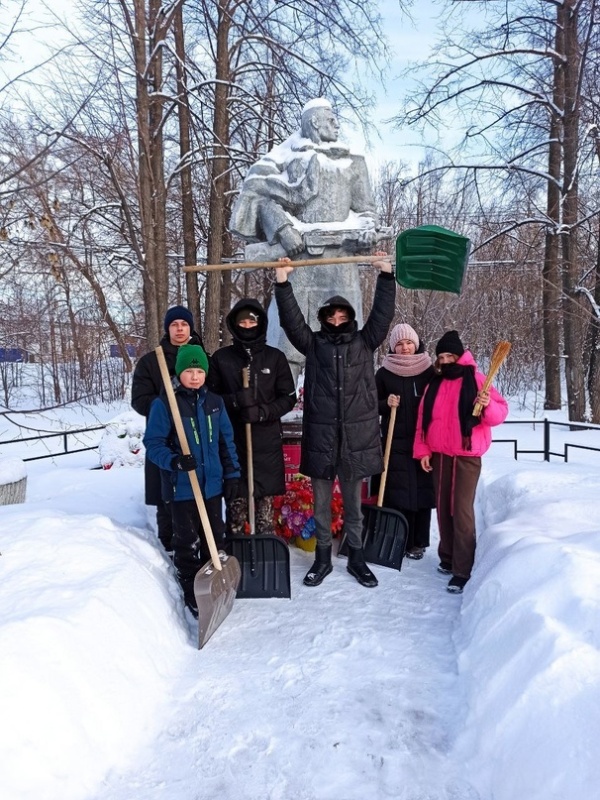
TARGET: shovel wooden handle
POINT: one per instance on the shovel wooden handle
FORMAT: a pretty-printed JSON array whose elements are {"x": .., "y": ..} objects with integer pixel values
[
  {"x": 303, "y": 262},
  {"x": 164, "y": 371},
  {"x": 386, "y": 456},
  {"x": 249, "y": 459}
]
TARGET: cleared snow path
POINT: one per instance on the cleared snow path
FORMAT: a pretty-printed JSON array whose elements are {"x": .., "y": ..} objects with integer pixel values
[{"x": 342, "y": 693}]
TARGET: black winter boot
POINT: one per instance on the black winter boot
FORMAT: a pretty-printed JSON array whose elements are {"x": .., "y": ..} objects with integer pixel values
[
  {"x": 187, "y": 560},
  {"x": 358, "y": 568},
  {"x": 321, "y": 568}
]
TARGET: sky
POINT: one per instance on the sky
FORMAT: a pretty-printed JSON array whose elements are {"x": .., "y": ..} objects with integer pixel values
[
  {"x": 339, "y": 693},
  {"x": 412, "y": 38}
]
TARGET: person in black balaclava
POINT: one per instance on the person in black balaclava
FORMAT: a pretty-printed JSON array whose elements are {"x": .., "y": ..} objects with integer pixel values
[
  {"x": 340, "y": 423},
  {"x": 270, "y": 395}
]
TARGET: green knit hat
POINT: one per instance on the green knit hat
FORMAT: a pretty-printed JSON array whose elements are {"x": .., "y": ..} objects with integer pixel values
[{"x": 190, "y": 356}]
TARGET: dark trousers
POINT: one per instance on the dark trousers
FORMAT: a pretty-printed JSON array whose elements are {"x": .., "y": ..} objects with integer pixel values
[
  {"x": 419, "y": 523},
  {"x": 353, "y": 518},
  {"x": 164, "y": 523},
  {"x": 455, "y": 480},
  {"x": 190, "y": 548}
]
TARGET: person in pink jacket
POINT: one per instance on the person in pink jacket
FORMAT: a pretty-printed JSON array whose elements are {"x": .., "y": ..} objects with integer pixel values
[{"x": 450, "y": 441}]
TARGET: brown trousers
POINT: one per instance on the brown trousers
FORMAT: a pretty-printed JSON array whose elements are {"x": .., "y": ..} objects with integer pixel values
[{"x": 455, "y": 480}]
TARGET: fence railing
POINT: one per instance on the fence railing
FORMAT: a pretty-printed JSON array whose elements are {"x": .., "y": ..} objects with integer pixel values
[
  {"x": 65, "y": 437},
  {"x": 546, "y": 449}
]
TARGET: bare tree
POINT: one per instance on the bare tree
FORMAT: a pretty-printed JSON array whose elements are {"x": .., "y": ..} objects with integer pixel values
[{"x": 519, "y": 81}]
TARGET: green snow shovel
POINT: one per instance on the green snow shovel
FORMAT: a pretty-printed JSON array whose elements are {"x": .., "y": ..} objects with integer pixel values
[{"x": 428, "y": 257}]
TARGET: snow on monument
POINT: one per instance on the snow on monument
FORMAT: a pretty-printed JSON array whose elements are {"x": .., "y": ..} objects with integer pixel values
[{"x": 309, "y": 197}]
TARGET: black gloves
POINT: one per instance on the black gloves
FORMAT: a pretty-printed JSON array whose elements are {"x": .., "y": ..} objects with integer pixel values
[
  {"x": 184, "y": 463},
  {"x": 252, "y": 414},
  {"x": 230, "y": 489},
  {"x": 244, "y": 398}
]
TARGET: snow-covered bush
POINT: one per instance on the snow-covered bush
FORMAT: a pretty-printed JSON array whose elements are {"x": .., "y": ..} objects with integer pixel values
[{"x": 121, "y": 443}]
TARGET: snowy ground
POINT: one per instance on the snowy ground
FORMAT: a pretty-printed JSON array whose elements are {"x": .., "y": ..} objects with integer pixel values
[{"x": 340, "y": 693}]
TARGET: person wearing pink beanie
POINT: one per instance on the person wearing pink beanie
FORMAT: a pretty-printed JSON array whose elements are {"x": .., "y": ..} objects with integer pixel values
[{"x": 401, "y": 380}]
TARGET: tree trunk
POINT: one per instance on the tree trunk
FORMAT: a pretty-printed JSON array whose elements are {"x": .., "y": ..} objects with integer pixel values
[
  {"x": 220, "y": 182},
  {"x": 152, "y": 191},
  {"x": 593, "y": 346},
  {"x": 187, "y": 200},
  {"x": 551, "y": 287},
  {"x": 157, "y": 33},
  {"x": 573, "y": 311}
]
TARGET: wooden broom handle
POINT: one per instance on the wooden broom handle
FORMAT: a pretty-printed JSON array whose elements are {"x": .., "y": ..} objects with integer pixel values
[
  {"x": 249, "y": 459},
  {"x": 386, "y": 456},
  {"x": 303, "y": 262},
  {"x": 164, "y": 371}
]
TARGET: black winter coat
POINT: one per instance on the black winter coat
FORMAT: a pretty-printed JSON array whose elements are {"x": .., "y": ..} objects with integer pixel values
[
  {"x": 146, "y": 386},
  {"x": 273, "y": 388},
  {"x": 408, "y": 487},
  {"x": 340, "y": 423}
]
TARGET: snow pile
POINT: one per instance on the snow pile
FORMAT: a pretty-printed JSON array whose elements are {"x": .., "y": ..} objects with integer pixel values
[
  {"x": 12, "y": 470},
  {"x": 529, "y": 637},
  {"x": 89, "y": 641}
]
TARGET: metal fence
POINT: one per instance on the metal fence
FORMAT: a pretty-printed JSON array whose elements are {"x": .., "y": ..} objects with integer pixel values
[
  {"x": 67, "y": 440},
  {"x": 547, "y": 426}
]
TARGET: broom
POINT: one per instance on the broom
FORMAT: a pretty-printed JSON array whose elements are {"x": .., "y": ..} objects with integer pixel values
[{"x": 501, "y": 350}]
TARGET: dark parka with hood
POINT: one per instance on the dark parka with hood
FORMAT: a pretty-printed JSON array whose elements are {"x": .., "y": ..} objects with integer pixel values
[
  {"x": 272, "y": 385},
  {"x": 146, "y": 386},
  {"x": 340, "y": 423},
  {"x": 408, "y": 487}
]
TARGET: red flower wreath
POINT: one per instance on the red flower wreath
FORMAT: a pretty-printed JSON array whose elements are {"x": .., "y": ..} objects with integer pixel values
[{"x": 294, "y": 510}]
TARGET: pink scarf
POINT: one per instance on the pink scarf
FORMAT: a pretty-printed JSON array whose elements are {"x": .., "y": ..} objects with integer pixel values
[{"x": 407, "y": 366}]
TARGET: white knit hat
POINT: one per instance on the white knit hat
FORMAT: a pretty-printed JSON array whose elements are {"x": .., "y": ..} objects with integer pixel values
[{"x": 403, "y": 331}]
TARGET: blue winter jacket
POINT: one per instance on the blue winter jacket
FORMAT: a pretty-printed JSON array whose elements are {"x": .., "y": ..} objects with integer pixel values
[{"x": 209, "y": 436}]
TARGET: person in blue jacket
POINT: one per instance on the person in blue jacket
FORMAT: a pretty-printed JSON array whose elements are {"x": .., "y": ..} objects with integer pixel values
[{"x": 213, "y": 456}]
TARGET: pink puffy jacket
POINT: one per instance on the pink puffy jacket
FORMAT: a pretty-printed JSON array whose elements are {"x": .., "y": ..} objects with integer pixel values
[{"x": 443, "y": 435}]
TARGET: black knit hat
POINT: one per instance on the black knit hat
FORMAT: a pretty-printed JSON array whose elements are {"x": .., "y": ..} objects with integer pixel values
[
  {"x": 246, "y": 313},
  {"x": 450, "y": 343},
  {"x": 179, "y": 312}
]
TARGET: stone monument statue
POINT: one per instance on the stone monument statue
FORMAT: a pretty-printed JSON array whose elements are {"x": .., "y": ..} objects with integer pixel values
[{"x": 309, "y": 196}]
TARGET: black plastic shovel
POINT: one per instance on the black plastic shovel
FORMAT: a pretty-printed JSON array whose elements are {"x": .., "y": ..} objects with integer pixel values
[
  {"x": 385, "y": 530},
  {"x": 264, "y": 559}
]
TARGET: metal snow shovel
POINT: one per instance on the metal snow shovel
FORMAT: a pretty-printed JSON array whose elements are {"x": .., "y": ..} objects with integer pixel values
[
  {"x": 385, "y": 530},
  {"x": 428, "y": 257},
  {"x": 264, "y": 559},
  {"x": 216, "y": 582}
]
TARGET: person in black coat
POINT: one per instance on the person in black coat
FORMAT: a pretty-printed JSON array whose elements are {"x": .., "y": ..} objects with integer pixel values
[
  {"x": 146, "y": 385},
  {"x": 401, "y": 382},
  {"x": 340, "y": 423},
  {"x": 270, "y": 395}
]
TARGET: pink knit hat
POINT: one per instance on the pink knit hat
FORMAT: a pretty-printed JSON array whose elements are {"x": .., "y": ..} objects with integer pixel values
[{"x": 403, "y": 331}]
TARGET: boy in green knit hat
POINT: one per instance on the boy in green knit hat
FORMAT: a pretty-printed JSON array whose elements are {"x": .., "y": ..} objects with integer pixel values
[{"x": 212, "y": 456}]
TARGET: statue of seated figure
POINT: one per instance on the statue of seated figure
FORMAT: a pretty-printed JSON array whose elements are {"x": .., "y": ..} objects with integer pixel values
[{"x": 310, "y": 197}]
